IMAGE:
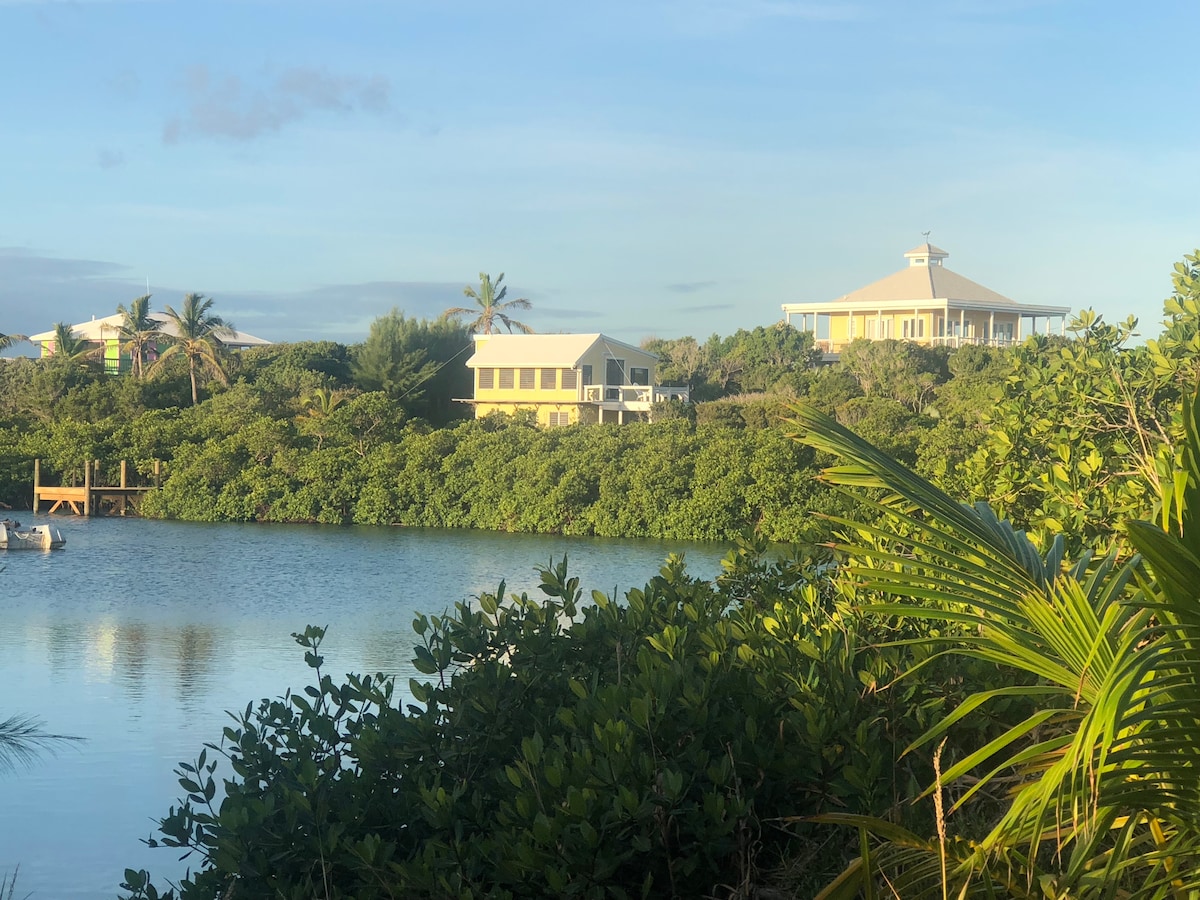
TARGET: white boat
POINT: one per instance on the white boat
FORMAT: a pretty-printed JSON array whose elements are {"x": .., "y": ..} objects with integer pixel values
[{"x": 35, "y": 537}]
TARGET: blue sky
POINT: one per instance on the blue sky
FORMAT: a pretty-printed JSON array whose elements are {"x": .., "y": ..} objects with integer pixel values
[{"x": 657, "y": 167}]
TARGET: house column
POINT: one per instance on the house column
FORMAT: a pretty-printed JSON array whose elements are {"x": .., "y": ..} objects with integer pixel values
[
  {"x": 879, "y": 324},
  {"x": 962, "y": 327},
  {"x": 992, "y": 327}
]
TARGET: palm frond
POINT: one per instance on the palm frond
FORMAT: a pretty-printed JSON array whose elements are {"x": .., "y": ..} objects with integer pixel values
[
  {"x": 1107, "y": 785},
  {"x": 22, "y": 741}
]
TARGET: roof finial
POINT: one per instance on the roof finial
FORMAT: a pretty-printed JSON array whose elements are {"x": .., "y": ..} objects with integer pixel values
[{"x": 926, "y": 234}]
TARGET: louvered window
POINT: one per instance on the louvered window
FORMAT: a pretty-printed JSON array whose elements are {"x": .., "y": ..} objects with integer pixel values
[
  {"x": 506, "y": 379},
  {"x": 487, "y": 379},
  {"x": 548, "y": 379},
  {"x": 527, "y": 379},
  {"x": 570, "y": 379}
]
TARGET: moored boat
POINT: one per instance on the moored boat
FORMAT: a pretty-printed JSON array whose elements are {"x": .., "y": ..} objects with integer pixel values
[{"x": 35, "y": 537}]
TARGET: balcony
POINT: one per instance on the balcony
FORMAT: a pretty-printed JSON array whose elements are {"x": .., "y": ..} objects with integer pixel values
[{"x": 632, "y": 397}]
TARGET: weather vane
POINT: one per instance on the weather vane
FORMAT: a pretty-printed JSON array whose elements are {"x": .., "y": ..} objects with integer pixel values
[{"x": 926, "y": 234}]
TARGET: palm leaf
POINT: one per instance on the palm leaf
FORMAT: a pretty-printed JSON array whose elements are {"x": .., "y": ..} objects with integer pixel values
[{"x": 1107, "y": 769}]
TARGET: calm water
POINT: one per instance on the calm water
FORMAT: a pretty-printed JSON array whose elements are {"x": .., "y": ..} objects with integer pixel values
[{"x": 140, "y": 634}]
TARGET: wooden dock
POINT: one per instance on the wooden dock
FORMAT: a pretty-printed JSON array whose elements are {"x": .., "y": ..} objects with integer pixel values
[{"x": 91, "y": 499}]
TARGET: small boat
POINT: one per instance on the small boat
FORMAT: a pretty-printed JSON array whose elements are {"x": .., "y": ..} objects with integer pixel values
[{"x": 35, "y": 537}]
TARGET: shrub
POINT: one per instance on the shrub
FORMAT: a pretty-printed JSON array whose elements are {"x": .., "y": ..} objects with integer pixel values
[{"x": 642, "y": 748}]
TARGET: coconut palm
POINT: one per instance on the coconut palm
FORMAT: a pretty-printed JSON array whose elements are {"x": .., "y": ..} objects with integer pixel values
[
  {"x": 490, "y": 306},
  {"x": 1105, "y": 795},
  {"x": 319, "y": 406},
  {"x": 73, "y": 350},
  {"x": 8, "y": 340},
  {"x": 139, "y": 331},
  {"x": 197, "y": 339}
]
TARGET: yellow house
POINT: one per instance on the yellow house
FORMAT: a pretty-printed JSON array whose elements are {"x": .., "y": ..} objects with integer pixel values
[
  {"x": 926, "y": 303},
  {"x": 106, "y": 333},
  {"x": 565, "y": 378}
]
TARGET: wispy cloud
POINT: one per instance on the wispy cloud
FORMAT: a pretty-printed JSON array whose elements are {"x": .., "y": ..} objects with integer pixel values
[
  {"x": 226, "y": 106},
  {"x": 690, "y": 287},
  {"x": 709, "y": 307},
  {"x": 110, "y": 159}
]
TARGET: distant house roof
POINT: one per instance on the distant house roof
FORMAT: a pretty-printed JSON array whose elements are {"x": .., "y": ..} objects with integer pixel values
[
  {"x": 928, "y": 282},
  {"x": 109, "y": 326},
  {"x": 557, "y": 351},
  {"x": 924, "y": 280}
]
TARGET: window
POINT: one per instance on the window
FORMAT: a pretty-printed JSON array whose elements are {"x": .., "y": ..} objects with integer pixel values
[
  {"x": 527, "y": 379},
  {"x": 614, "y": 371},
  {"x": 506, "y": 379},
  {"x": 914, "y": 328},
  {"x": 587, "y": 374},
  {"x": 487, "y": 379},
  {"x": 570, "y": 379},
  {"x": 878, "y": 329},
  {"x": 639, "y": 376},
  {"x": 548, "y": 382},
  {"x": 560, "y": 418}
]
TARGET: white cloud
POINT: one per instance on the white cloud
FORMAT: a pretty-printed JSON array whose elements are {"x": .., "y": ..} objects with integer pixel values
[{"x": 226, "y": 106}]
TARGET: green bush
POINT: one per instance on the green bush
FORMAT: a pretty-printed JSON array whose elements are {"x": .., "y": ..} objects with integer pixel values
[{"x": 647, "y": 748}]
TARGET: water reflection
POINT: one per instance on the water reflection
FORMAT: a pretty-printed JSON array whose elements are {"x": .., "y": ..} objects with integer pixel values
[
  {"x": 195, "y": 646},
  {"x": 132, "y": 657},
  {"x": 100, "y": 645}
]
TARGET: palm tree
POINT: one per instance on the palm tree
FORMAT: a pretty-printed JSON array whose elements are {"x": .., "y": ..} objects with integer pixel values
[
  {"x": 1102, "y": 775},
  {"x": 139, "y": 331},
  {"x": 7, "y": 340},
  {"x": 319, "y": 406},
  {"x": 490, "y": 306},
  {"x": 71, "y": 349},
  {"x": 197, "y": 336}
]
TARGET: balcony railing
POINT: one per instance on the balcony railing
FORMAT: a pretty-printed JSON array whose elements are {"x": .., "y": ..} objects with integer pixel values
[
  {"x": 828, "y": 346},
  {"x": 632, "y": 396}
]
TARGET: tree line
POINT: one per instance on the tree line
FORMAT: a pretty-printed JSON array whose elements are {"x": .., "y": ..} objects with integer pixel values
[{"x": 1066, "y": 434}]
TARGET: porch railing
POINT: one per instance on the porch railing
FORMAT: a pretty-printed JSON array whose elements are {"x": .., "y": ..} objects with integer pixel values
[{"x": 629, "y": 395}]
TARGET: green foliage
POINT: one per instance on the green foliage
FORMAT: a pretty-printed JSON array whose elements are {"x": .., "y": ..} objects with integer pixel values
[
  {"x": 663, "y": 480},
  {"x": 901, "y": 371},
  {"x": 418, "y": 364},
  {"x": 139, "y": 332},
  {"x": 557, "y": 748},
  {"x": 762, "y": 359},
  {"x": 491, "y": 310},
  {"x": 1101, "y": 776},
  {"x": 196, "y": 340},
  {"x": 1082, "y": 435}
]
